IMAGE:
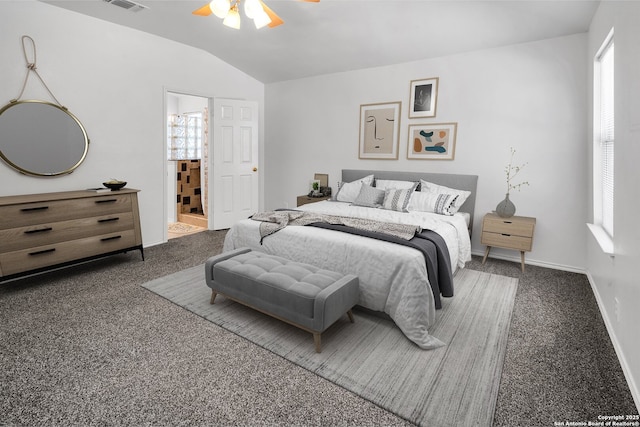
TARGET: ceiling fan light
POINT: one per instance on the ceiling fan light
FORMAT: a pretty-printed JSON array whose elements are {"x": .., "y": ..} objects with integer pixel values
[
  {"x": 261, "y": 19},
  {"x": 233, "y": 18},
  {"x": 252, "y": 8},
  {"x": 220, "y": 8}
]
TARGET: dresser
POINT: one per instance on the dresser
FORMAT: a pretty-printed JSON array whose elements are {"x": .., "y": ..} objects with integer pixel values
[
  {"x": 41, "y": 231},
  {"x": 514, "y": 233}
]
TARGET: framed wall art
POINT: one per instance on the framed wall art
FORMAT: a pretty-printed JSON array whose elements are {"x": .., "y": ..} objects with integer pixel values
[
  {"x": 323, "y": 178},
  {"x": 379, "y": 131},
  {"x": 423, "y": 97},
  {"x": 434, "y": 141}
]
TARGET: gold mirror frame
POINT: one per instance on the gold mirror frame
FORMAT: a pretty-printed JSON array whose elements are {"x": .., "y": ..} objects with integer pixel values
[{"x": 24, "y": 137}]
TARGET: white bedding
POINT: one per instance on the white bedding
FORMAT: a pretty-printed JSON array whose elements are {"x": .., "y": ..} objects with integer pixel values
[{"x": 393, "y": 278}]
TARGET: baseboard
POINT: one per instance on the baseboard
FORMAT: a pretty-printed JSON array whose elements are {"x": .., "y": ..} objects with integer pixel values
[
  {"x": 635, "y": 391},
  {"x": 528, "y": 261}
]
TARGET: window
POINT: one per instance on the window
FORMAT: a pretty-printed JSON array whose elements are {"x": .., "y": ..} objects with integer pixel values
[
  {"x": 185, "y": 136},
  {"x": 603, "y": 132}
]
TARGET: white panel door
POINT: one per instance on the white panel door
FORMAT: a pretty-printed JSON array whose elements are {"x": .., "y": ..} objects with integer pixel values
[{"x": 235, "y": 161}]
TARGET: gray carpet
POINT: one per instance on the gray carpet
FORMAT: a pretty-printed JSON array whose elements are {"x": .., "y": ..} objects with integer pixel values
[
  {"x": 457, "y": 384},
  {"x": 88, "y": 346}
]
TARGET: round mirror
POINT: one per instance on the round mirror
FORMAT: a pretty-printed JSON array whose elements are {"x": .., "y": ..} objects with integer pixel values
[{"x": 41, "y": 139}]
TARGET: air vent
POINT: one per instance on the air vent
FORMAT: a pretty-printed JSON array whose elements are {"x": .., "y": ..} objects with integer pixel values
[{"x": 127, "y": 4}]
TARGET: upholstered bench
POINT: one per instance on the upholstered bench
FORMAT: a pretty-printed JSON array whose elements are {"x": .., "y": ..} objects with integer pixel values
[{"x": 300, "y": 294}]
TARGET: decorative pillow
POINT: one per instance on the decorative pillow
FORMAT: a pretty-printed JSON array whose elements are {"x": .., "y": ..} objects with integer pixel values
[
  {"x": 348, "y": 191},
  {"x": 369, "y": 196},
  {"x": 442, "y": 204},
  {"x": 429, "y": 187},
  {"x": 397, "y": 200},
  {"x": 390, "y": 184}
]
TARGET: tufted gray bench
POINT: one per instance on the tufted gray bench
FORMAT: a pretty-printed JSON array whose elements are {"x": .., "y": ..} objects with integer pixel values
[{"x": 299, "y": 294}]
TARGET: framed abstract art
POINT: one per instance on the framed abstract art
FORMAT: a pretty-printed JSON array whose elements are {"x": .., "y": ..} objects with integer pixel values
[
  {"x": 423, "y": 98},
  {"x": 433, "y": 141}
]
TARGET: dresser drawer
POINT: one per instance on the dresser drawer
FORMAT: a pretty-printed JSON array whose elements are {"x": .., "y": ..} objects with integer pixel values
[
  {"x": 14, "y": 239},
  {"x": 19, "y": 215},
  {"x": 52, "y": 254},
  {"x": 507, "y": 241},
  {"x": 508, "y": 226}
]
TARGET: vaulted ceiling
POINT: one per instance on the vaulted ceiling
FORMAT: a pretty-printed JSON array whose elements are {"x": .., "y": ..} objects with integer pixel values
[{"x": 341, "y": 35}]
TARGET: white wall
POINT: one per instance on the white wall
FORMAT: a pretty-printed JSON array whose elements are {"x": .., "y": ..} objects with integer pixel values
[
  {"x": 532, "y": 97},
  {"x": 113, "y": 79},
  {"x": 617, "y": 278}
]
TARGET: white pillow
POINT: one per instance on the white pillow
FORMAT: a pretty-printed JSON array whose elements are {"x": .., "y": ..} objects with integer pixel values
[
  {"x": 349, "y": 191},
  {"x": 390, "y": 184},
  {"x": 442, "y": 204},
  {"x": 429, "y": 187},
  {"x": 397, "y": 200}
]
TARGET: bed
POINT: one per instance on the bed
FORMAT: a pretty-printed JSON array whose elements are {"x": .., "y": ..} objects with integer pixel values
[{"x": 394, "y": 276}]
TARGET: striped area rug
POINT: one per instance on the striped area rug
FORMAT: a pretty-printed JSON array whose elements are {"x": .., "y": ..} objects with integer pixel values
[{"x": 455, "y": 385}]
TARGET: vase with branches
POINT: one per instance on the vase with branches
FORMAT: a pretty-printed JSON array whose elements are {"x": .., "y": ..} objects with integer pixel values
[{"x": 506, "y": 208}]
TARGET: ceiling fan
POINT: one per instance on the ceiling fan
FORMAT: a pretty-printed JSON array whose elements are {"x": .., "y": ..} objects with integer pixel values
[{"x": 254, "y": 9}]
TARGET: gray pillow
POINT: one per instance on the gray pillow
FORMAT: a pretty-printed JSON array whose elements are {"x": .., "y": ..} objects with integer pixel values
[{"x": 369, "y": 196}]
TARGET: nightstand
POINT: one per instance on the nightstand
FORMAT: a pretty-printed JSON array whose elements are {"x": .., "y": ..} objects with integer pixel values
[
  {"x": 303, "y": 200},
  {"x": 508, "y": 233}
]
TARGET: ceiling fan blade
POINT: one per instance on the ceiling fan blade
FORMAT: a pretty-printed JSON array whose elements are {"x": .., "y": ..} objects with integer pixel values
[
  {"x": 275, "y": 19},
  {"x": 203, "y": 11}
]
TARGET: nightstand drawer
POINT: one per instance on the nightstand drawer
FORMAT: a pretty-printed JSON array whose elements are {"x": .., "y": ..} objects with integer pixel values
[
  {"x": 303, "y": 200},
  {"x": 507, "y": 241},
  {"x": 514, "y": 227}
]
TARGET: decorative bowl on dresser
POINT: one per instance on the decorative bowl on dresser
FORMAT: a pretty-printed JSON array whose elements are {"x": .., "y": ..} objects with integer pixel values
[
  {"x": 515, "y": 232},
  {"x": 42, "y": 231}
]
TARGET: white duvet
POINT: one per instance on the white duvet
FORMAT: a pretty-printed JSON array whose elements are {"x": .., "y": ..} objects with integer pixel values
[{"x": 393, "y": 278}]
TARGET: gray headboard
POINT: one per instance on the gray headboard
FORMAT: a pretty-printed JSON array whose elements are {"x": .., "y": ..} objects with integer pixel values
[{"x": 459, "y": 182}]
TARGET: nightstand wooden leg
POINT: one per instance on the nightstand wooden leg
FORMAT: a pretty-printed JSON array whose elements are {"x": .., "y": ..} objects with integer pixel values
[
  {"x": 522, "y": 260},
  {"x": 486, "y": 254}
]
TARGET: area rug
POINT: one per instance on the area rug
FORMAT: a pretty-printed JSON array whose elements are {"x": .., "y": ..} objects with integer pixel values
[
  {"x": 183, "y": 228},
  {"x": 455, "y": 385}
]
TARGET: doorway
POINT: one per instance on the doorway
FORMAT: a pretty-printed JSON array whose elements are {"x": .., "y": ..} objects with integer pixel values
[{"x": 187, "y": 119}]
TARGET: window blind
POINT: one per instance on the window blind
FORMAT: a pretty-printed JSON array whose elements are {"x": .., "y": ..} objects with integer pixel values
[{"x": 607, "y": 136}]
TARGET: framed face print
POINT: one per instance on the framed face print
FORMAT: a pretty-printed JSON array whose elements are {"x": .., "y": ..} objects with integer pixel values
[{"x": 379, "y": 130}]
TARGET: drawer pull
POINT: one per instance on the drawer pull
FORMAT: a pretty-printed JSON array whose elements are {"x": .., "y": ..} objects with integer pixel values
[
  {"x": 107, "y": 201},
  {"x": 106, "y": 239},
  {"x": 40, "y": 230},
  {"x": 40, "y": 208},
  {"x": 508, "y": 235},
  {"x": 508, "y": 222},
  {"x": 45, "y": 251},
  {"x": 109, "y": 219}
]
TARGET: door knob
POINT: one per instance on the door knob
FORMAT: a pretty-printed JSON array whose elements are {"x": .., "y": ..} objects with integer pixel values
[{"x": 255, "y": 169}]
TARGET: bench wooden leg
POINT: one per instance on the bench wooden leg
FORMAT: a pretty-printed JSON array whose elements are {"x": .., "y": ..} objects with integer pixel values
[
  {"x": 213, "y": 297},
  {"x": 317, "y": 342},
  {"x": 350, "y": 314}
]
